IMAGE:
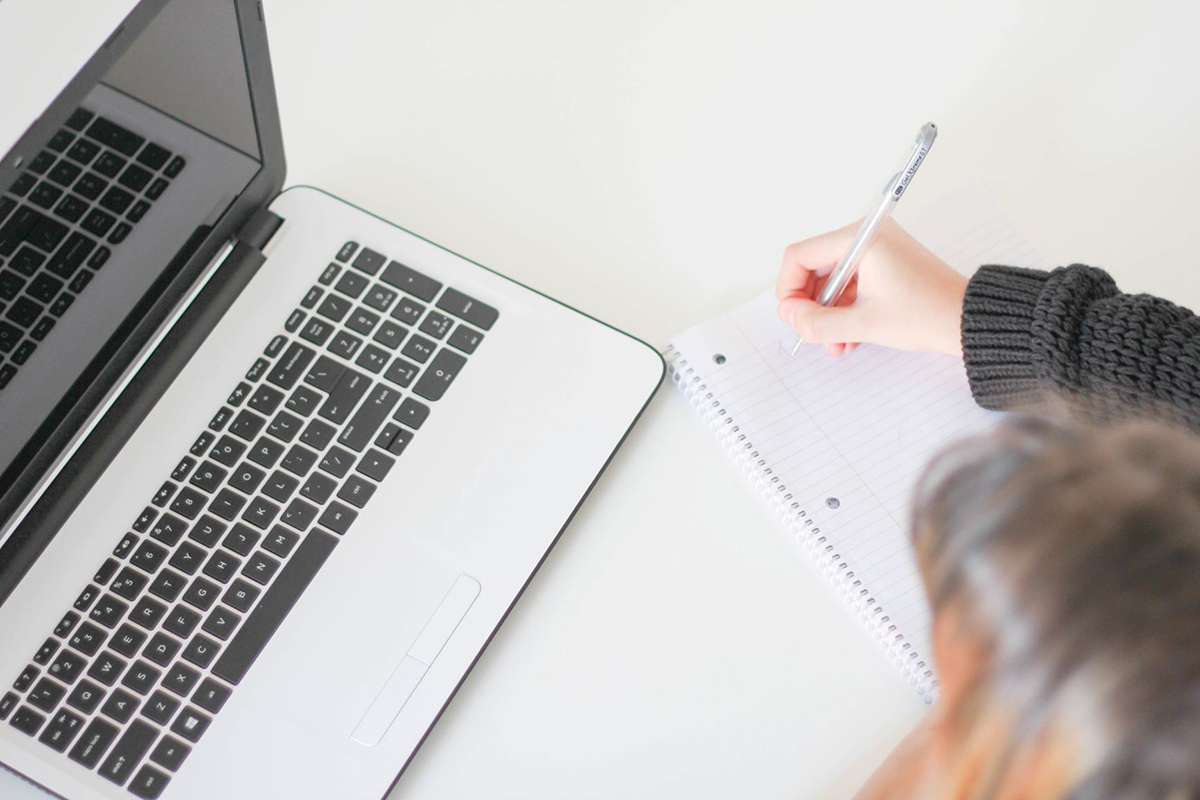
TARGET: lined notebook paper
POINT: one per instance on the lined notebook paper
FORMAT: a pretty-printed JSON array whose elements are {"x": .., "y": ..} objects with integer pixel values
[{"x": 836, "y": 445}]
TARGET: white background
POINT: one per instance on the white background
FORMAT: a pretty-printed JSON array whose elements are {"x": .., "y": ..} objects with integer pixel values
[{"x": 647, "y": 161}]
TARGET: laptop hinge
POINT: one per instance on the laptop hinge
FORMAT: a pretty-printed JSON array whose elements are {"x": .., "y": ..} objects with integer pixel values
[{"x": 259, "y": 229}]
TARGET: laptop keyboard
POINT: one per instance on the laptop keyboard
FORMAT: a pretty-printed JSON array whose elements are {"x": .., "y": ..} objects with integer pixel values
[
  {"x": 78, "y": 198},
  {"x": 133, "y": 675}
]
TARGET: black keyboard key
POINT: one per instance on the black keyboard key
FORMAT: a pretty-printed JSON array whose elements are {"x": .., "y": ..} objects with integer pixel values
[
  {"x": 374, "y": 464},
  {"x": 202, "y": 443},
  {"x": 351, "y": 284},
  {"x": 390, "y": 335},
  {"x": 316, "y": 331},
  {"x": 127, "y": 640},
  {"x": 10, "y": 284},
  {"x": 44, "y": 287},
  {"x": 148, "y": 612},
  {"x": 88, "y": 596},
  {"x": 356, "y": 491},
  {"x": 7, "y": 204},
  {"x": 60, "y": 140},
  {"x": 246, "y": 425},
  {"x": 27, "y": 260},
  {"x": 47, "y": 234},
  {"x": 90, "y": 185},
  {"x": 137, "y": 211},
  {"x": 408, "y": 311},
  {"x": 270, "y": 612},
  {"x": 436, "y": 325},
  {"x": 338, "y": 517},
  {"x": 265, "y": 400},
  {"x": 119, "y": 233},
  {"x": 106, "y": 669},
  {"x": 9, "y": 336},
  {"x": 161, "y": 649},
  {"x": 419, "y": 348},
  {"x": 266, "y": 452},
  {"x": 345, "y": 344},
  {"x": 98, "y": 222},
  {"x": 241, "y": 595},
  {"x": 160, "y": 708},
  {"x": 222, "y": 566},
  {"x": 109, "y": 164},
  {"x": 71, "y": 255},
  {"x": 468, "y": 309},
  {"x": 440, "y": 373},
  {"x": 258, "y": 369},
  {"x": 148, "y": 557},
  {"x": 168, "y": 585},
  {"x": 181, "y": 621},
  {"x": 324, "y": 374},
  {"x": 155, "y": 189},
  {"x": 337, "y": 462},
  {"x": 190, "y": 724},
  {"x": 200, "y": 651},
  {"x": 175, "y": 167},
  {"x": 46, "y": 695},
  {"x": 373, "y": 359},
  {"x": 188, "y": 558},
  {"x": 318, "y": 488},
  {"x": 79, "y": 118},
  {"x": 23, "y": 352},
  {"x": 345, "y": 396},
  {"x": 239, "y": 394},
  {"x": 170, "y": 752},
  {"x": 312, "y": 296},
  {"x": 141, "y": 677},
  {"x": 7, "y": 703},
  {"x": 260, "y": 568},
  {"x": 134, "y": 178},
  {"x": 346, "y": 251},
  {"x": 399, "y": 441},
  {"x": 318, "y": 434},
  {"x": 87, "y": 639},
  {"x": 46, "y": 651},
  {"x": 99, "y": 258},
  {"x": 299, "y": 460},
  {"x": 68, "y": 621},
  {"x": 208, "y": 476},
  {"x": 62, "y": 730},
  {"x": 280, "y": 486},
  {"x": 64, "y": 173},
  {"x": 211, "y": 695},
  {"x": 27, "y": 721},
  {"x": 108, "y": 611},
  {"x": 380, "y": 297},
  {"x": 15, "y": 229},
  {"x": 291, "y": 366},
  {"x": 93, "y": 742},
  {"x": 116, "y": 200},
  {"x": 149, "y": 783},
  {"x": 409, "y": 280},
  {"x": 41, "y": 162},
  {"x": 120, "y": 706},
  {"x": 67, "y": 667},
  {"x": 304, "y": 401},
  {"x": 21, "y": 186},
  {"x": 362, "y": 321},
  {"x": 123, "y": 548},
  {"x": 412, "y": 413},
  {"x": 26, "y": 678},
  {"x": 70, "y": 208},
  {"x": 170, "y": 529},
  {"x": 153, "y": 156},
  {"x": 227, "y": 504},
  {"x": 285, "y": 426},
  {"x": 334, "y": 308},
  {"x": 368, "y": 261},
  {"x": 201, "y": 594},
  {"x": 113, "y": 135},
  {"x": 299, "y": 514},
  {"x": 183, "y": 468},
  {"x": 221, "y": 622},
  {"x": 86, "y": 696},
  {"x": 220, "y": 419},
  {"x": 279, "y": 541},
  {"x": 106, "y": 571},
  {"x": 129, "y": 584},
  {"x": 363, "y": 426},
  {"x": 261, "y": 513},
  {"x": 246, "y": 478},
  {"x": 328, "y": 274},
  {"x": 180, "y": 679}
]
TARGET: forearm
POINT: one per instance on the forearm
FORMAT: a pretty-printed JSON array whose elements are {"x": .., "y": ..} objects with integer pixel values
[{"x": 1071, "y": 333}]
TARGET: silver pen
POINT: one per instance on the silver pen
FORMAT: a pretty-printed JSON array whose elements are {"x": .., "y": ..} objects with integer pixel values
[{"x": 841, "y": 275}]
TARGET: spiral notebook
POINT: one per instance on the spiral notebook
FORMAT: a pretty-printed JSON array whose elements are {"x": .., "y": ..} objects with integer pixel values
[{"x": 836, "y": 445}]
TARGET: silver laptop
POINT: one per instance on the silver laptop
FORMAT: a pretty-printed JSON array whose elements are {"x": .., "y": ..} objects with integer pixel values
[{"x": 272, "y": 469}]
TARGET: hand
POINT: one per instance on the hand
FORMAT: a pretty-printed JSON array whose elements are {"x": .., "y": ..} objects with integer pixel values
[{"x": 903, "y": 296}]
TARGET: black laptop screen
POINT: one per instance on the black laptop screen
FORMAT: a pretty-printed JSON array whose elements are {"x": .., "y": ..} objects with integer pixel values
[{"x": 99, "y": 219}]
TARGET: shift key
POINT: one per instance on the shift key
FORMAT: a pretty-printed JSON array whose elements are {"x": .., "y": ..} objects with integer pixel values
[
  {"x": 369, "y": 418},
  {"x": 291, "y": 366},
  {"x": 345, "y": 396}
]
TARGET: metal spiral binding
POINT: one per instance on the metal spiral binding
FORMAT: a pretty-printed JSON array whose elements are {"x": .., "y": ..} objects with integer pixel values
[{"x": 805, "y": 530}]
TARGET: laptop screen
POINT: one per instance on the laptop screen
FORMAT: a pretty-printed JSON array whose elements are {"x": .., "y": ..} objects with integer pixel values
[{"x": 102, "y": 217}]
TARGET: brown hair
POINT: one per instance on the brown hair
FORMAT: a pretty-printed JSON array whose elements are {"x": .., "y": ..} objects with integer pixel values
[{"x": 1074, "y": 554}]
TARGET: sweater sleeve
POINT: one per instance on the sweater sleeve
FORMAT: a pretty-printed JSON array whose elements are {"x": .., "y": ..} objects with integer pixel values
[{"x": 1027, "y": 334}]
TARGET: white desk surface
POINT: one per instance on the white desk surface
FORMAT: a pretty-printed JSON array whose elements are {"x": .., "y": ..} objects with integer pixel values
[{"x": 647, "y": 160}]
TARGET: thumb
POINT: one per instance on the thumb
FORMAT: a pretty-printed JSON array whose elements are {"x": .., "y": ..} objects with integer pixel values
[{"x": 818, "y": 324}]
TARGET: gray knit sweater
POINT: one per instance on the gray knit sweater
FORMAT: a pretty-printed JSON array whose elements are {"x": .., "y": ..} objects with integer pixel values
[{"x": 1028, "y": 334}]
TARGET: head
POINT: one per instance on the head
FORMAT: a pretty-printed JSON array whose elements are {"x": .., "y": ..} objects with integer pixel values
[{"x": 1063, "y": 567}]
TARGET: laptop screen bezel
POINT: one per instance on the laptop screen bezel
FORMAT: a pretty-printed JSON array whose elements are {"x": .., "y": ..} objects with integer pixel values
[{"x": 62, "y": 428}]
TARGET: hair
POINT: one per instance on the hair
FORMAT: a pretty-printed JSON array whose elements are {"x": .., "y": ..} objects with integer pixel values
[{"x": 1073, "y": 554}]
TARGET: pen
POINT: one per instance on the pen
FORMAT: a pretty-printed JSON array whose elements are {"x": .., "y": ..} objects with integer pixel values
[{"x": 841, "y": 275}]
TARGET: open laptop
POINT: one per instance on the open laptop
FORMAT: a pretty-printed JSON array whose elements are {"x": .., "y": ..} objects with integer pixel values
[{"x": 273, "y": 470}]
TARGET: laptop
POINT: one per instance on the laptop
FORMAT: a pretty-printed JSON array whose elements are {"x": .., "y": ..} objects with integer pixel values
[{"x": 273, "y": 470}]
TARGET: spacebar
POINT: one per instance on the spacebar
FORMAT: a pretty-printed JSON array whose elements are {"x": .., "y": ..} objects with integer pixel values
[{"x": 276, "y": 603}]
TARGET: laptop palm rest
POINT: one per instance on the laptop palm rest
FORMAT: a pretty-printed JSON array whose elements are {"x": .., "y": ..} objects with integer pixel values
[{"x": 408, "y": 673}]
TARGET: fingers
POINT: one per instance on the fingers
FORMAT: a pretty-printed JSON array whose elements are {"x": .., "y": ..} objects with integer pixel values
[
  {"x": 818, "y": 324},
  {"x": 804, "y": 261}
]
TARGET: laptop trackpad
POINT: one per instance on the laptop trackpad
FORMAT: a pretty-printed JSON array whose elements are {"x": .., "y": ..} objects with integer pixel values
[{"x": 408, "y": 673}]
